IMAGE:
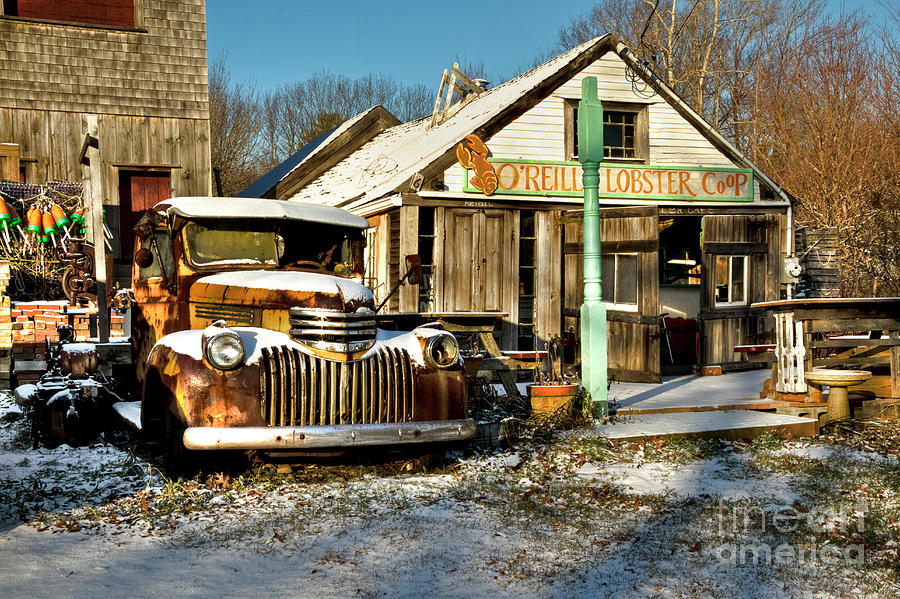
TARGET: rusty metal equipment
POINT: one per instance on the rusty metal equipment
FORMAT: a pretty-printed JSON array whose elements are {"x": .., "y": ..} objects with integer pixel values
[
  {"x": 78, "y": 279},
  {"x": 70, "y": 401}
]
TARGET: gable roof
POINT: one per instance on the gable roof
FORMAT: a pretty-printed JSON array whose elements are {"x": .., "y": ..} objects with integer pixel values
[
  {"x": 391, "y": 161},
  {"x": 387, "y": 162}
]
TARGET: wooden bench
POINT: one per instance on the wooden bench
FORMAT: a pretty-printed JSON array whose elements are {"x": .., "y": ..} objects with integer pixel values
[{"x": 764, "y": 352}]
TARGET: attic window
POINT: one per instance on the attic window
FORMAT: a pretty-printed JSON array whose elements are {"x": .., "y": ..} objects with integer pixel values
[
  {"x": 626, "y": 132},
  {"x": 102, "y": 13}
]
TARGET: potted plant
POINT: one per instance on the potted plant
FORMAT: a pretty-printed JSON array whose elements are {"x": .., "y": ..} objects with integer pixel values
[{"x": 551, "y": 390}]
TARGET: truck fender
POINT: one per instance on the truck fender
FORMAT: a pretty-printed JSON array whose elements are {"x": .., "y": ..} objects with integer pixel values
[{"x": 180, "y": 380}]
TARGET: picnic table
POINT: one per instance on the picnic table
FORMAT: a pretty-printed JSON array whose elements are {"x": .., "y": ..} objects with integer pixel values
[
  {"x": 858, "y": 333},
  {"x": 478, "y": 326}
]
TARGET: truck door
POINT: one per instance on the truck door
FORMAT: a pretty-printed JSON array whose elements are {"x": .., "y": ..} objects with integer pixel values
[{"x": 156, "y": 309}]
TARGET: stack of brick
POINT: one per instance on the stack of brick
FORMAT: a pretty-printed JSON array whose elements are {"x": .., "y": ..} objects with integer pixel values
[
  {"x": 35, "y": 322},
  {"x": 5, "y": 326}
]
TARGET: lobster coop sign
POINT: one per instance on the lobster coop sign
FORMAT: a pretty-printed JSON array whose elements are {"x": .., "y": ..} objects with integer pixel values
[{"x": 563, "y": 179}]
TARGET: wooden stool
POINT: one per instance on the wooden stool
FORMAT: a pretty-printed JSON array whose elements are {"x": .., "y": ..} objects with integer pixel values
[{"x": 837, "y": 381}]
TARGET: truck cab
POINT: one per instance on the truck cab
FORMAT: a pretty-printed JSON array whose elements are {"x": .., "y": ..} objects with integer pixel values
[{"x": 252, "y": 330}]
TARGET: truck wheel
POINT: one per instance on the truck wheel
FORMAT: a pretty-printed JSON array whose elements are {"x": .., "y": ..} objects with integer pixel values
[{"x": 180, "y": 461}]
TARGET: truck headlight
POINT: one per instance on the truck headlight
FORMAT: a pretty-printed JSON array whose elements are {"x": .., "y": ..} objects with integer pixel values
[
  {"x": 441, "y": 350},
  {"x": 225, "y": 350}
]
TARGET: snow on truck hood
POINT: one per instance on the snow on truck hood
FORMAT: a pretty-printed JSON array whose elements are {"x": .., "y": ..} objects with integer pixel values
[{"x": 292, "y": 281}]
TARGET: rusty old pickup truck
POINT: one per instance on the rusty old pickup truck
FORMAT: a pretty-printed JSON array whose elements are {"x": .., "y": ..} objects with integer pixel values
[{"x": 252, "y": 330}]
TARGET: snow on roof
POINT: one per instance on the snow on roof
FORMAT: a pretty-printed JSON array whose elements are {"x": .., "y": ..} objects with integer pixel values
[
  {"x": 334, "y": 134},
  {"x": 394, "y": 156},
  {"x": 208, "y": 207}
]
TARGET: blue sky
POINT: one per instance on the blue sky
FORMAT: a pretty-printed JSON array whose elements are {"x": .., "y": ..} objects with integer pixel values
[{"x": 278, "y": 41}]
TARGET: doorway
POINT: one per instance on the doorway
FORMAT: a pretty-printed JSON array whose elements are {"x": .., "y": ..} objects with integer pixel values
[
  {"x": 680, "y": 292},
  {"x": 138, "y": 192}
]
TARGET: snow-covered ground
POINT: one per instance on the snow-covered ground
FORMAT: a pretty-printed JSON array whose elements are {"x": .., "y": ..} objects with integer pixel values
[{"x": 581, "y": 517}]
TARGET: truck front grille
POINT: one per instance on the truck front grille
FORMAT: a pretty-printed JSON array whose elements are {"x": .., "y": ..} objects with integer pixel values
[
  {"x": 331, "y": 330},
  {"x": 302, "y": 390}
]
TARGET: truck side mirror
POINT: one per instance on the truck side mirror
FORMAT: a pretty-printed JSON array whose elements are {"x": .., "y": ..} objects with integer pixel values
[
  {"x": 414, "y": 270},
  {"x": 143, "y": 258}
]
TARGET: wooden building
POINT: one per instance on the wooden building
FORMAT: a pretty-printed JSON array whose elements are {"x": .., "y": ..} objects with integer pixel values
[
  {"x": 692, "y": 231},
  {"x": 135, "y": 68}
]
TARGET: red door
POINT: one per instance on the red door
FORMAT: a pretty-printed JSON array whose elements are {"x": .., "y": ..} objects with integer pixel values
[{"x": 138, "y": 191}]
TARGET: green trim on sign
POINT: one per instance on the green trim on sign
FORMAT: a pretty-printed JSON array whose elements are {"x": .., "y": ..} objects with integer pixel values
[{"x": 636, "y": 196}]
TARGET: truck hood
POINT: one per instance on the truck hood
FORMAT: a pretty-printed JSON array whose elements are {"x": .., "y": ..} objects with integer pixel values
[{"x": 282, "y": 289}]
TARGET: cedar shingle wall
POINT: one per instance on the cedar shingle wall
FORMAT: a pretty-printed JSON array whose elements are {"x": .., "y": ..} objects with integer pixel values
[{"x": 157, "y": 73}]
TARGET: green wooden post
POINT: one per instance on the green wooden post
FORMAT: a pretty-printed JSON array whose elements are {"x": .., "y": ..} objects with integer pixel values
[{"x": 593, "y": 312}]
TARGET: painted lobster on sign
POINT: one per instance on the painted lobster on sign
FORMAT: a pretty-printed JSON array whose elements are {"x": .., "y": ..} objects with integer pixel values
[{"x": 473, "y": 154}]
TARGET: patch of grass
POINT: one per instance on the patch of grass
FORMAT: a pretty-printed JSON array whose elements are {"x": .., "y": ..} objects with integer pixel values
[
  {"x": 765, "y": 442},
  {"x": 847, "y": 499},
  {"x": 881, "y": 436},
  {"x": 676, "y": 449}
]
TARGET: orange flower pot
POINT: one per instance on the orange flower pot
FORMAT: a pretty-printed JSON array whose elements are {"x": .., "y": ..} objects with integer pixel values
[{"x": 551, "y": 397}]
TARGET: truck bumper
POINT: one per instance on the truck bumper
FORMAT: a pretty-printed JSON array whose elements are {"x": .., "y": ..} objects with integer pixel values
[{"x": 322, "y": 437}]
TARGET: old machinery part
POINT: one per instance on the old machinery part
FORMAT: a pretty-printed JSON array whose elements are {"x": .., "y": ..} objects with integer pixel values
[
  {"x": 79, "y": 360},
  {"x": 332, "y": 330},
  {"x": 67, "y": 405}
]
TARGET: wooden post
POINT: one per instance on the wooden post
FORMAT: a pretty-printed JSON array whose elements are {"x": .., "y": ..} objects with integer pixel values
[
  {"x": 92, "y": 174},
  {"x": 593, "y": 312},
  {"x": 895, "y": 366}
]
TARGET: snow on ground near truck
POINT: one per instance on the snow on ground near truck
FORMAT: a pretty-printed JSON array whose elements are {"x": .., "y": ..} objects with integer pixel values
[{"x": 578, "y": 517}]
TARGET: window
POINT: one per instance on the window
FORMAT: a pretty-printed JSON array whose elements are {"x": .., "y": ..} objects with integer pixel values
[
  {"x": 626, "y": 135},
  {"x": 619, "y": 281},
  {"x": 619, "y": 134},
  {"x": 163, "y": 264},
  {"x": 426, "y": 254},
  {"x": 731, "y": 280},
  {"x": 527, "y": 238},
  {"x": 104, "y": 13}
]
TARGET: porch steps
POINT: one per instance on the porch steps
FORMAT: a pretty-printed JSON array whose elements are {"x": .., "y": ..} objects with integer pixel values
[
  {"x": 701, "y": 405},
  {"x": 727, "y": 424}
]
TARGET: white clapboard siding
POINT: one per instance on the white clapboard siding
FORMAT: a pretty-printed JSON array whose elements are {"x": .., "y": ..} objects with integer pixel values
[{"x": 539, "y": 134}]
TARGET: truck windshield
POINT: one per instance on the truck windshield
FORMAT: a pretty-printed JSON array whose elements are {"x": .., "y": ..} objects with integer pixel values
[
  {"x": 248, "y": 244},
  {"x": 223, "y": 244}
]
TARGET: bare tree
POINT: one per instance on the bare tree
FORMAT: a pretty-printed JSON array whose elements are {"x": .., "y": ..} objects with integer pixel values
[
  {"x": 298, "y": 112},
  {"x": 235, "y": 122},
  {"x": 706, "y": 50}
]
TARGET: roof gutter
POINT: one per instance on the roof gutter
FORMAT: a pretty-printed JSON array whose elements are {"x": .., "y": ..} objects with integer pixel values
[{"x": 685, "y": 109}]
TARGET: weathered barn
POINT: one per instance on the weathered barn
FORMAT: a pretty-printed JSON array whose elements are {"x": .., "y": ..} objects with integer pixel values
[
  {"x": 692, "y": 231},
  {"x": 135, "y": 68}
]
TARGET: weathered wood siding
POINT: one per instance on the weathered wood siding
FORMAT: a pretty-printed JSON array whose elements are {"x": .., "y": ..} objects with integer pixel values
[
  {"x": 156, "y": 70},
  {"x": 760, "y": 237},
  {"x": 820, "y": 261},
  {"x": 539, "y": 134},
  {"x": 548, "y": 276},
  {"x": 633, "y": 337},
  {"x": 479, "y": 271}
]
